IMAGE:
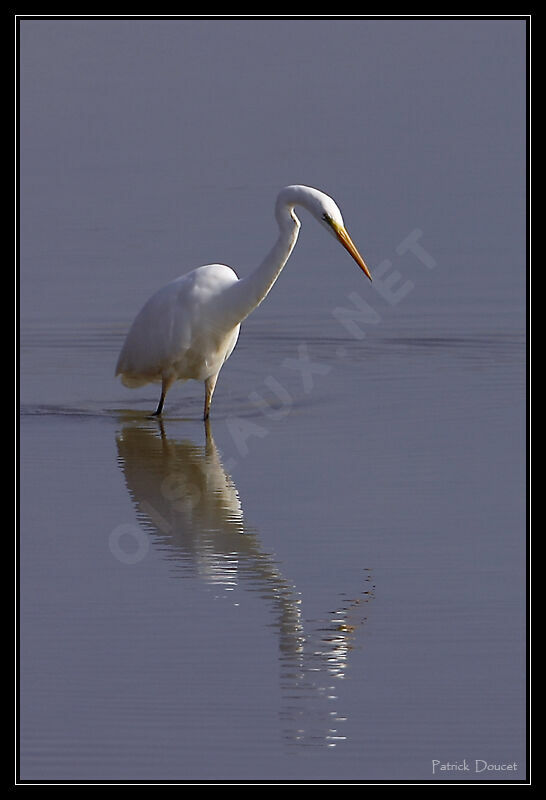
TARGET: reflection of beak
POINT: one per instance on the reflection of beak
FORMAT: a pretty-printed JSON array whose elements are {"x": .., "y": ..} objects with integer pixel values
[{"x": 347, "y": 243}]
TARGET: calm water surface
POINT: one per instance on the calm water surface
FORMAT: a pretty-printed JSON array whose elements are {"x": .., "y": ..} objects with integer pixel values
[{"x": 327, "y": 582}]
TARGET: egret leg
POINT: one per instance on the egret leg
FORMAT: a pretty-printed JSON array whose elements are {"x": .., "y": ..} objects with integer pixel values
[
  {"x": 165, "y": 384},
  {"x": 159, "y": 408},
  {"x": 210, "y": 384}
]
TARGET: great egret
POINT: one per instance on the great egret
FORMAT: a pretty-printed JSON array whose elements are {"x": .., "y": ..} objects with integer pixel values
[{"x": 188, "y": 329}]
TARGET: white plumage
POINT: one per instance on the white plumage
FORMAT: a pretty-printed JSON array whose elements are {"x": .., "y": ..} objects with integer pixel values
[
  {"x": 175, "y": 331},
  {"x": 188, "y": 328}
]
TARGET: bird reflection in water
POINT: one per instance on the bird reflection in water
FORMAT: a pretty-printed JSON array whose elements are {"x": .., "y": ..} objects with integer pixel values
[{"x": 191, "y": 508}]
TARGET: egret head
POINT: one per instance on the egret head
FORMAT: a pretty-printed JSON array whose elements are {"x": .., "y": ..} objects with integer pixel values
[{"x": 326, "y": 212}]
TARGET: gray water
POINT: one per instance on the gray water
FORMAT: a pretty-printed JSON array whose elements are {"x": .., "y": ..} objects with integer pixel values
[{"x": 328, "y": 582}]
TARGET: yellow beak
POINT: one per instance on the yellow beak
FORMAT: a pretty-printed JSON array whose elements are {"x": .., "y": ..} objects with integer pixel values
[{"x": 347, "y": 243}]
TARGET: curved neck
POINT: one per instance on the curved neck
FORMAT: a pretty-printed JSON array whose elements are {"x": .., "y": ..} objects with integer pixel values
[{"x": 248, "y": 293}]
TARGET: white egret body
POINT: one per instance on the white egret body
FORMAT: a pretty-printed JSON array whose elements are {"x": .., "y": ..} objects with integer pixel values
[{"x": 188, "y": 329}]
